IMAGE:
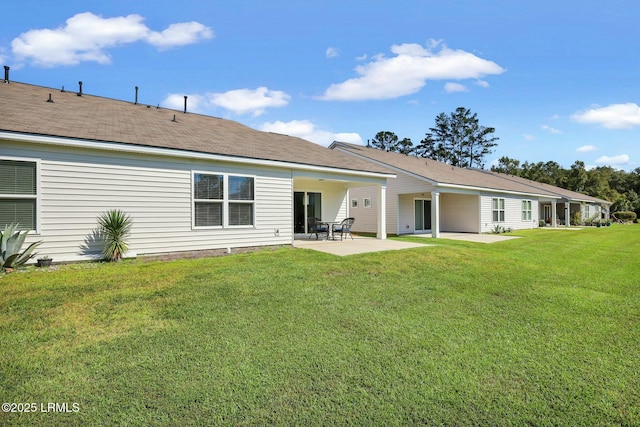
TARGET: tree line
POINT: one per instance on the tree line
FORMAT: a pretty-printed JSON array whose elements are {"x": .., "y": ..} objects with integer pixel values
[{"x": 458, "y": 139}]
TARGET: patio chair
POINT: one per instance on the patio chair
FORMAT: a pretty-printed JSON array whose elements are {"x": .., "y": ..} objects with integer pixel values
[
  {"x": 316, "y": 227},
  {"x": 344, "y": 228}
]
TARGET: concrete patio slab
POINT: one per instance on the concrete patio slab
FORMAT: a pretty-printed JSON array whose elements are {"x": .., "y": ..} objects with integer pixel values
[{"x": 358, "y": 245}]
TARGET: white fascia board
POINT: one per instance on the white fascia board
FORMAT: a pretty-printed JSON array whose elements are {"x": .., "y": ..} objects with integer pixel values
[{"x": 159, "y": 151}]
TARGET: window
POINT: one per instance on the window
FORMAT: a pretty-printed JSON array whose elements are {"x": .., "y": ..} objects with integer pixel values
[
  {"x": 354, "y": 203},
  {"x": 526, "y": 210},
  {"x": 18, "y": 193},
  {"x": 498, "y": 209},
  {"x": 367, "y": 203},
  {"x": 222, "y": 200}
]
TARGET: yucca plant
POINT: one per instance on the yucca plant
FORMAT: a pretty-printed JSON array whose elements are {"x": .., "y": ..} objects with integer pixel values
[
  {"x": 114, "y": 227},
  {"x": 11, "y": 241}
]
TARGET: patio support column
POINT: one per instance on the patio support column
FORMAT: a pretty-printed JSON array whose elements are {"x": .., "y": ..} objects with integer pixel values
[
  {"x": 382, "y": 212},
  {"x": 435, "y": 214},
  {"x": 554, "y": 213},
  {"x": 567, "y": 210}
]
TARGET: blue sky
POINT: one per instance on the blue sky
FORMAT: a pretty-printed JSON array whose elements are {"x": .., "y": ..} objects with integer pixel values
[{"x": 559, "y": 80}]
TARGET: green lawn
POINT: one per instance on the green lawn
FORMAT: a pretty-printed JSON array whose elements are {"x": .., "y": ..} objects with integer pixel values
[{"x": 542, "y": 330}]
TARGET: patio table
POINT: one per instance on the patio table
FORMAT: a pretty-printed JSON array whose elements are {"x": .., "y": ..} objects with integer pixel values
[{"x": 330, "y": 225}]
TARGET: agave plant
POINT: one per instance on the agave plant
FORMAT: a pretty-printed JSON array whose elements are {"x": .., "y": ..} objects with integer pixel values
[
  {"x": 11, "y": 241},
  {"x": 114, "y": 226}
]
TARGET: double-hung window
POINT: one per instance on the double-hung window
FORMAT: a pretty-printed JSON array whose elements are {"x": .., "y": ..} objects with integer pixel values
[
  {"x": 221, "y": 200},
  {"x": 526, "y": 210},
  {"x": 240, "y": 200},
  {"x": 19, "y": 193},
  {"x": 497, "y": 205}
]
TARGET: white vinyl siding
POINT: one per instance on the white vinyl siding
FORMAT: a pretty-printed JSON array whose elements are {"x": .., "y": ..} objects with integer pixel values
[
  {"x": 512, "y": 212},
  {"x": 77, "y": 185},
  {"x": 19, "y": 191}
]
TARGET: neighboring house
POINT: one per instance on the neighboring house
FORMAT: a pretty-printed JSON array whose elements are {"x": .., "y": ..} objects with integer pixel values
[
  {"x": 188, "y": 181},
  {"x": 569, "y": 204},
  {"x": 429, "y": 197}
]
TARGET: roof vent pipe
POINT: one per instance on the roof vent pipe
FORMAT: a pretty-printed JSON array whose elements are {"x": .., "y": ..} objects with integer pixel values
[
  {"x": 185, "y": 103},
  {"x": 136, "y": 103},
  {"x": 80, "y": 93},
  {"x": 50, "y": 99},
  {"x": 6, "y": 74}
]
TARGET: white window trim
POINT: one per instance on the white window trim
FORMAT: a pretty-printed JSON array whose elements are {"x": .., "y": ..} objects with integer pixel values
[
  {"x": 503, "y": 210},
  {"x": 225, "y": 201},
  {"x": 38, "y": 195},
  {"x": 366, "y": 202},
  {"x": 526, "y": 214}
]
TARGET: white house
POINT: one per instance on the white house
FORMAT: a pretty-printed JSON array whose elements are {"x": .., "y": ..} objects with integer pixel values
[
  {"x": 188, "y": 181},
  {"x": 430, "y": 196}
]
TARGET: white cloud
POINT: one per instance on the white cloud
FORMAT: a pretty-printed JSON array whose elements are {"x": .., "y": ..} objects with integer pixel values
[
  {"x": 180, "y": 34},
  {"x": 243, "y": 101},
  {"x": 307, "y": 130},
  {"x": 621, "y": 159},
  {"x": 86, "y": 37},
  {"x": 195, "y": 103},
  {"x": 482, "y": 83},
  {"x": 408, "y": 71},
  {"x": 529, "y": 137},
  {"x": 332, "y": 52},
  {"x": 239, "y": 101},
  {"x": 614, "y": 116},
  {"x": 586, "y": 149},
  {"x": 455, "y": 87},
  {"x": 551, "y": 130}
]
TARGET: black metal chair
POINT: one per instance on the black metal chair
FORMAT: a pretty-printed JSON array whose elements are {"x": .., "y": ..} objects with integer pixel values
[
  {"x": 316, "y": 227},
  {"x": 344, "y": 228}
]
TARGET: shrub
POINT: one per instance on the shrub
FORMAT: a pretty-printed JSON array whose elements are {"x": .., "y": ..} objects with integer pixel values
[
  {"x": 11, "y": 241},
  {"x": 114, "y": 227},
  {"x": 626, "y": 216},
  {"x": 542, "y": 223}
]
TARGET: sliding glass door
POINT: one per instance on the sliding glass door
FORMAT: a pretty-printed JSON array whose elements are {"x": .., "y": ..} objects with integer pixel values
[
  {"x": 305, "y": 205},
  {"x": 422, "y": 212}
]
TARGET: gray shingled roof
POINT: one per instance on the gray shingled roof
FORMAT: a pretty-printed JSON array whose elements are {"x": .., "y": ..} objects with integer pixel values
[
  {"x": 444, "y": 174},
  {"x": 24, "y": 109},
  {"x": 565, "y": 194}
]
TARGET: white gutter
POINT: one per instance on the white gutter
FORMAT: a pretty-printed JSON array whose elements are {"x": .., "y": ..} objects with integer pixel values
[{"x": 159, "y": 151}]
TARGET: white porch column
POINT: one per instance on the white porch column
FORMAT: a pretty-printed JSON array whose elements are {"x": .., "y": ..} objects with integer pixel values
[
  {"x": 554, "y": 214},
  {"x": 567, "y": 209},
  {"x": 435, "y": 214},
  {"x": 382, "y": 212}
]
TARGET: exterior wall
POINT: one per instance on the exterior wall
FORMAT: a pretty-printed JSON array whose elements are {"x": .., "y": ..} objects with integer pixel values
[
  {"x": 399, "y": 204},
  {"x": 366, "y": 219},
  {"x": 512, "y": 214},
  {"x": 77, "y": 185},
  {"x": 459, "y": 213}
]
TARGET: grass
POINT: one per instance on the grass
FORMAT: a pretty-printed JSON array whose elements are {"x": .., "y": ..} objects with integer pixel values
[{"x": 542, "y": 330}]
